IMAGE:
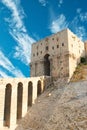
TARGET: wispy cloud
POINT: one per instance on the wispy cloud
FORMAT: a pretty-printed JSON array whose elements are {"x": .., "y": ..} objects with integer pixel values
[
  {"x": 3, "y": 74},
  {"x": 82, "y": 15},
  {"x": 60, "y": 2},
  {"x": 77, "y": 26},
  {"x": 58, "y": 24},
  {"x": 43, "y": 2},
  {"x": 18, "y": 31},
  {"x": 78, "y": 10},
  {"x": 6, "y": 64},
  {"x": 81, "y": 32}
]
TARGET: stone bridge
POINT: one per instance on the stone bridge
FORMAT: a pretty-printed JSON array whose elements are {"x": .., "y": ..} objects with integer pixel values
[{"x": 16, "y": 96}]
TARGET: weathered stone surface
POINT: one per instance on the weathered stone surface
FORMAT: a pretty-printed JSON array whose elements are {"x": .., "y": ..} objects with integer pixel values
[
  {"x": 60, "y": 108},
  {"x": 16, "y": 96},
  {"x": 57, "y": 55}
]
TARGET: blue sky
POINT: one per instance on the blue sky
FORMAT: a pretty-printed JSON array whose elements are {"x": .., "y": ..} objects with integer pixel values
[{"x": 23, "y": 22}]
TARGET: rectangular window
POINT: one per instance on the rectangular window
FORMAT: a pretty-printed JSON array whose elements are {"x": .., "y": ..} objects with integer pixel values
[
  {"x": 46, "y": 47},
  {"x": 33, "y": 54},
  {"x": 57, "y": 46},
  {"x": 62, "y": 44},
  {"x": 37, "y": 53},
  {"x": 53, "y": 47},
  {"x": 37, "y": 47}
]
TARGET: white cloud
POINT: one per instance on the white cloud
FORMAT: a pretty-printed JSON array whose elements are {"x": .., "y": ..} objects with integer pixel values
[
  {"x": 78, "y": 28},
  {"x": 83, "y": 17},
  {"x": 60, "y": 2},
  {"x": 7, "y": 65},
  {"x": 18, "y": 31},
  {"x": 78, "y": 10},
  {"x": 80, "y": 31},
  {"x": 58, "y": 24},
  {"x": 43, "y": 2},
  {"x": 2, "y": 74},
  {"x": 76, "y": 25}
]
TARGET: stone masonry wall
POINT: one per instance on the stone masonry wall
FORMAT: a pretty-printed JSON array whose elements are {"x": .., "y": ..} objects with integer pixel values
[{"x": 13, "y": 82}]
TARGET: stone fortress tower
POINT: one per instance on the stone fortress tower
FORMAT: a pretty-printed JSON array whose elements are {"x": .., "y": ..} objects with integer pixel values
[
  {"x": 57, "y": 56},
  {"x": 54, "y": 57}
]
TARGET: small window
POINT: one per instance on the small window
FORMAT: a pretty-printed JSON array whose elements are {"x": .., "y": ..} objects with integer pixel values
[
  {"x": 62, "y": 44},
  {"x": 53, "y": 47},
  {"x": 46, "y": 47},
  {"x": 61, "y": 68},
  {"x": 72, "y": 45},
  {"x": 57, "y": 39},
  {"x": 53, "y": 38},
  {"x": 33, "y": 54},
  {"x": 37, "y": 47},
  {"x": 41, "y": 52},
  {"x": 37, "y": 53},
  {"x": 57, "y": 46},
  {"x": 41, "y": 43},
  {"x": 47, "y": 39}
]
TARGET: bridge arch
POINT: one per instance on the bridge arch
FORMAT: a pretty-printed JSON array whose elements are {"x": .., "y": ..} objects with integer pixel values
[
  {"x": 19, "y": 100},
  {"x": 7, "y": 105},
  {"x": 30, "y": 91}
]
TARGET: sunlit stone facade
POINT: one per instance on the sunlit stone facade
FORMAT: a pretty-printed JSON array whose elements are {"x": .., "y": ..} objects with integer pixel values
[{"x": 57, "y": 55}]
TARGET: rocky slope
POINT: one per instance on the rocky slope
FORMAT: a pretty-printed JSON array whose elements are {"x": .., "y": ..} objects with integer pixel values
[{"x": 58, "y": 108}]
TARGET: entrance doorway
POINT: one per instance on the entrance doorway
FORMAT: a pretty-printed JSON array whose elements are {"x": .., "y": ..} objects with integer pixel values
[{"x": 46, "y": 65}]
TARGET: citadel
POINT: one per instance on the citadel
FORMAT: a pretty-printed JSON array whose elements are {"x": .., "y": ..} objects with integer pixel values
[{"x": 55, "y": 57}]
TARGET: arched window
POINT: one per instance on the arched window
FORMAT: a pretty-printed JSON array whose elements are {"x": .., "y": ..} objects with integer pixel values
[
  {"x": 39, "y": 88},
  {"x": 7, "y": 105},
  {"x": 19, "y": 100},
  {"x": 30, "y": 89}
]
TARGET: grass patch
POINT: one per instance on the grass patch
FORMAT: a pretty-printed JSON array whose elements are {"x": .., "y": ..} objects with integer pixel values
[{"x": 80, "y": 72}]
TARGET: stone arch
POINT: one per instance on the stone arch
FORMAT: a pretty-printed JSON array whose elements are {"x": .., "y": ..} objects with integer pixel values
[
  {"x": 39, "y": 89},
  {"x": 30, "y": 89},
  {"x": 46, "y": 65},
  {"x": 7, "y": 105},
  {"x": 19, "y": 100}
]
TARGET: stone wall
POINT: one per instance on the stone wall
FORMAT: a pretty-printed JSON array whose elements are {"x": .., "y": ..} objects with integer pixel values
[
  {"x": 86, "y": 49},
  {"x": 76, "y": 51},
  {"x": 64, "y": 50},
  {"x": 16, "y": 96}
]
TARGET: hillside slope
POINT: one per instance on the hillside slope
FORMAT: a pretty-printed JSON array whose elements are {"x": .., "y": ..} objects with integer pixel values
[{"x": 59, "y": 108}]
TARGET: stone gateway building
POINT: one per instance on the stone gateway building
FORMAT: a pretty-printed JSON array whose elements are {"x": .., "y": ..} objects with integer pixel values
[
  {"x": 57, "y": 56},
  {"x": 54, "y": 57}
]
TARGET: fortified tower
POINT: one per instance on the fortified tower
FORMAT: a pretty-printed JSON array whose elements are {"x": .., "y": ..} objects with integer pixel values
[
  {"x": 52, "y": 58},
  {"x": 56, "y": 56}
]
